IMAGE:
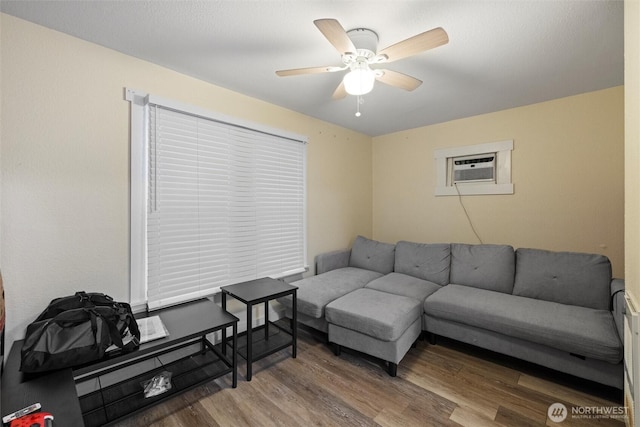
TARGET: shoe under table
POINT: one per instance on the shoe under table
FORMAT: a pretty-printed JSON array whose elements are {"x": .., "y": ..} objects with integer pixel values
[{"x": 377, "y": 323}]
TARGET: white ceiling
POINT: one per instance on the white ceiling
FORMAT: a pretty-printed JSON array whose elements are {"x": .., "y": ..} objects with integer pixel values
[{"x": 501, "y": 54}]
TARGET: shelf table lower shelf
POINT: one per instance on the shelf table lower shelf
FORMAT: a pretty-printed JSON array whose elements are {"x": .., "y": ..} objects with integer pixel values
[
  {"x": 102, "y": 404},
  {"x": 279, "y": 339}
]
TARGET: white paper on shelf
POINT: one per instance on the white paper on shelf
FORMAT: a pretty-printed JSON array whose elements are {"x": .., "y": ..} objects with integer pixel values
[{"x": 151, "y": 328}]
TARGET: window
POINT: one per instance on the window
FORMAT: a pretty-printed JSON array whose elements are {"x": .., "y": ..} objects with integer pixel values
[{"x": 213, "y": 202}]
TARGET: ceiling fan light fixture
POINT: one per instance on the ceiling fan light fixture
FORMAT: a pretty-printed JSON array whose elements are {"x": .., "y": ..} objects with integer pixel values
[
  {"x": 359, "y": 49},
  {"x": 360, "y": 80}
]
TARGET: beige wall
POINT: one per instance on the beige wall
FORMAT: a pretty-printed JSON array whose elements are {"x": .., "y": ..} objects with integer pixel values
[
  {"x": 567, "y": 169},
  {"x": 65, "y": 165}
]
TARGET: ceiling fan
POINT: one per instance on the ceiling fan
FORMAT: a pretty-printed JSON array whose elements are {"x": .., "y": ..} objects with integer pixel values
[{"x": 358, "y": 48}]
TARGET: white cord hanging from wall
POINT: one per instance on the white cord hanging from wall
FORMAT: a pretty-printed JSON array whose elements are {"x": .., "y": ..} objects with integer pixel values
[{"x": 455, "y": 184}]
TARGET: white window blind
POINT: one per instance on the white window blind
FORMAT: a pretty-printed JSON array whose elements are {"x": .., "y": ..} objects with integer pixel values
[{"x": 226, "y": 204}]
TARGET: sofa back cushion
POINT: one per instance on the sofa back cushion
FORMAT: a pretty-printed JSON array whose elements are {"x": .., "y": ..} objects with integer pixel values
[
  {"x": 489, "y": 267},
  {"x": 564, "y": 277},
  {"x": 372, "y": 255},
  {"x": 425, "y": 261}
]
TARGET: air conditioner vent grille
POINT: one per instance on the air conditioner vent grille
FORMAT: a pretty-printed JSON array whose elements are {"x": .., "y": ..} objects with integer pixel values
[
  {"x": 481, "y": 174},
  {"x": 480, "y": 167}
]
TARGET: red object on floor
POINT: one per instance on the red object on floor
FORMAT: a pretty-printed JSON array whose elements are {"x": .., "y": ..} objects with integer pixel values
[{"x": 39, "y": 419}]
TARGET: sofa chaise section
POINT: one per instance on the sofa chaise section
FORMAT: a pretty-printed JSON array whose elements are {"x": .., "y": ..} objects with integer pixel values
[
  {"x": 339, "y": 273},
  {"x": 384, "y": 319},
  {"x": 315, "y": 292}
]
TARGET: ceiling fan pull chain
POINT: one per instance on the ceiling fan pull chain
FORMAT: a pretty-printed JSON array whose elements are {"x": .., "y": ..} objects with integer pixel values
[{"x": 359, "y": 101}]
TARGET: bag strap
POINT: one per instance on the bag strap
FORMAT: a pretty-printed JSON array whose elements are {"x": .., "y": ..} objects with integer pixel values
[
  {"x": 116, "y": 336},
  {"x": 94, "y": 326},
  {"x": 99, "y": 299},
  {"x": 113, "y": 329},
  {"x": 128, "y": 319},
  {"x": 82, "y": 295},
  {"x": 133, "y": 326}
]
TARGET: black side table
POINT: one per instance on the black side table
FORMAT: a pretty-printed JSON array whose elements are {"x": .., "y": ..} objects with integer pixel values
[{"x": 262, "y": 291}]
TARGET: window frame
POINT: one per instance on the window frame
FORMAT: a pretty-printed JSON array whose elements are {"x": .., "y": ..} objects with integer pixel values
[{"x": 444, "y": 162}]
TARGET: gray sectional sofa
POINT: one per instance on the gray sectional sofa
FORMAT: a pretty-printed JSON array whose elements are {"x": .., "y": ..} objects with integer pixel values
[{"x": 561, "y": 310}]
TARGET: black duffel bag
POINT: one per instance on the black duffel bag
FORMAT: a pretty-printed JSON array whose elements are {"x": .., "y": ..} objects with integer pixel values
[{"x": 76, "y": 330}]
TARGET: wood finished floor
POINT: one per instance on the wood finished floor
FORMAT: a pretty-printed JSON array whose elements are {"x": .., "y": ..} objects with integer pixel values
[{"x": 448, "y": 384}]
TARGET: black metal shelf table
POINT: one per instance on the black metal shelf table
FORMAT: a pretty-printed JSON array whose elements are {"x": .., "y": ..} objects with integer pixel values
[
  {"x": 108, "y": 390},
  {"x": 261, "y": 291},
  {"x": 186, "y": 353}
]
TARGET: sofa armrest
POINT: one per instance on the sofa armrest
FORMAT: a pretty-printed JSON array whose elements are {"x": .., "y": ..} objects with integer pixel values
[
  {"x": 618, "y": 305},
  {"x": 332, "y": 260}
]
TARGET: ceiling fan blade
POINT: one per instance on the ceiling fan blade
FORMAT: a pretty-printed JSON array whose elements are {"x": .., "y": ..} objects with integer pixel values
[
  {"x": 308, "y": 70},
  {"x": 340, "y": 92},
  {"x": 394, "y": 78},
  {"x": 416, "y": 44},
  {"x": 335, "y": 33}
]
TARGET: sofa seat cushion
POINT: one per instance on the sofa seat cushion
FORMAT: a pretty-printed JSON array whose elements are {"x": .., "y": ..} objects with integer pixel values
[
  {"x": 378, "y": 314},
  {"x": 583, "y": 331},
  {"x": 401, "y": 284},
  {"x": 315, "y": 292},
  {"x": 564, "y": 277}
]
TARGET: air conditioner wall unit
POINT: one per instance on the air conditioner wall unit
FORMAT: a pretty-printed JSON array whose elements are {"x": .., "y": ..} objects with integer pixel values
[{"x": 476, "y": 168}]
